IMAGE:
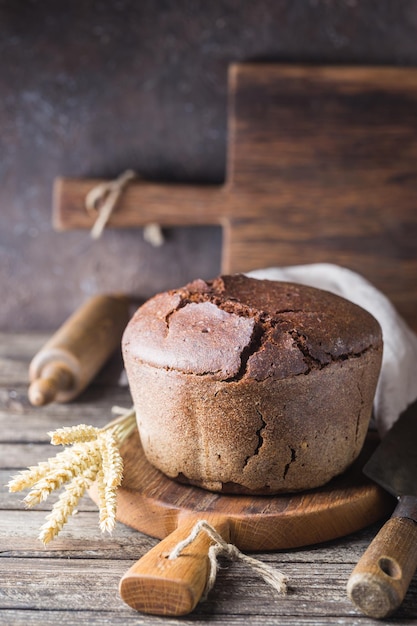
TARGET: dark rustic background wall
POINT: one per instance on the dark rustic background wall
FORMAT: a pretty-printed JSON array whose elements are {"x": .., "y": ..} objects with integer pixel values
[{"x": 89, "y": 89}]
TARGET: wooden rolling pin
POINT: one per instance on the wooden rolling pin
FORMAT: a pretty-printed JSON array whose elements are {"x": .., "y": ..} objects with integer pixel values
[{"x": 76, "y": 352}]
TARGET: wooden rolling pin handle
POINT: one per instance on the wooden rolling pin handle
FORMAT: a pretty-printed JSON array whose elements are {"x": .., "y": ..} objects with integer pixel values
[
  {"x": 159, "y": 585},
  {"x": 55, "y": 377},
  {"x": 77, "y": 351},
  {"x": 381, "y": 578}
]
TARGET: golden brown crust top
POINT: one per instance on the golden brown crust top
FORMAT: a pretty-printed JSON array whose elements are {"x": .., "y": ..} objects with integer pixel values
[{"x": 237, "y": 327}]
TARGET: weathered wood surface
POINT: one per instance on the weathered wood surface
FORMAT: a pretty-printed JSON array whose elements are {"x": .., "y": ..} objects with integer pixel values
[
  {"x": 321, "y": 168},
  {"x": 75, "y": 579}
]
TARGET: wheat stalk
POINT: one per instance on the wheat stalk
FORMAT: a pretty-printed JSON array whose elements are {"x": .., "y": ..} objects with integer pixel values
[
  {"x": 31, "y": 476},
  {"x": 93, "y": 455},
  {"x": 70, "y": 463},
  {"x": 109, "y": 479},
  {"x": 72, "y": 434},
  {"x": 66, "y": 504},
  {"x": 112, "y": 461}
]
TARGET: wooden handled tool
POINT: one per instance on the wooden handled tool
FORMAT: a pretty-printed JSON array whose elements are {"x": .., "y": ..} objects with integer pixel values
[
  {"x": 159, "y": 585},
  {"x": 380, "y": 580},
  {"x": 76, "y": 352}
]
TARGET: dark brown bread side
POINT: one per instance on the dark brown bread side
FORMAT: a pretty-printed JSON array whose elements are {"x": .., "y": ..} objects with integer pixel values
[{"x": 246, "y": 385}]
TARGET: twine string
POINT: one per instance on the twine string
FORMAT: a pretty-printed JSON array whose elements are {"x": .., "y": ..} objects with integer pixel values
[
  {"x": 103, "y": 198},
  {"x": 273, "y": 577},
  {"x": 152, "y": 233}
]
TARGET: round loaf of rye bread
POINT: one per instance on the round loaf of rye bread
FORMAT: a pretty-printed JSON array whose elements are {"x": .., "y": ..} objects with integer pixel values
[{"x": 252, "y": 386}]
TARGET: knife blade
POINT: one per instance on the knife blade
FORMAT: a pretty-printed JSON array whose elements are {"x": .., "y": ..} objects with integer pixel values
[{"x": 380, "y": 580}]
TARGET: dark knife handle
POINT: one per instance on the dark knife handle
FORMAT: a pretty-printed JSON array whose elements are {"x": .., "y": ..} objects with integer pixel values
[{"x": 381, "y": 578}]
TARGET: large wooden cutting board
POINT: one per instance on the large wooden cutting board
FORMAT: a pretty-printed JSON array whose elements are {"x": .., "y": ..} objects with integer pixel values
[
  {"x": 321, "y": 167},
  {"x": 160, "y": 507}
]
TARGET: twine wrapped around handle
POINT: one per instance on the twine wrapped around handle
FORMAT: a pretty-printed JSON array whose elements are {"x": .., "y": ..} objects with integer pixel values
[
  {"x": 102, "y": 201},
  {"x": 273, "y": 577}
]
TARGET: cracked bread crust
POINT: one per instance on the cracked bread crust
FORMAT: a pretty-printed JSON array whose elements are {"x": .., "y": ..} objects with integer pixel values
[{"x": 252, "y": 386}]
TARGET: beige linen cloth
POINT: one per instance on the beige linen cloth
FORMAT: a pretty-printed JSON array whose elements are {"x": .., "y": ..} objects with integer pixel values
[{"x": 397, "y": 384}]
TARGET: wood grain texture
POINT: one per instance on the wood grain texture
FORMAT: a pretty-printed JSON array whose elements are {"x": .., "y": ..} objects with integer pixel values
[
  {"x": 380, "y": 580},
  {"x": 156, "y": 505},
  {"x": 321, "y": 167},
  {"x": 159, "y": 585},
  {"x": 75, "y": 579},
  {"x": 332, "y": 154}
]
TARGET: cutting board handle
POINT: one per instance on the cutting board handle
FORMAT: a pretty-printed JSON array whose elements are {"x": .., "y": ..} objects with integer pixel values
[
  {"x": 159, "y": 585},
  {"x": 381, "y": 578}
]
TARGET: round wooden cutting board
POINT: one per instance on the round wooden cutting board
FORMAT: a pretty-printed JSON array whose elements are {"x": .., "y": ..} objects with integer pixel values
[
  {"x": 160, "y": 507},
  {"x": 152, "y": 503}
]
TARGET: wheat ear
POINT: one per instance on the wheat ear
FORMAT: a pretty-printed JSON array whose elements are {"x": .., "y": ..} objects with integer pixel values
[
  {"x": 73, "y": 434},
  {"x": 66, "y": 465},
  {"x": 93, "y": 455},
  {"x": 66, "y": 504}
]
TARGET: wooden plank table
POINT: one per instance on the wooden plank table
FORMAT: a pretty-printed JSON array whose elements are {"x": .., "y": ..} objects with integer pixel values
[{"x": 74, "y": 580}]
